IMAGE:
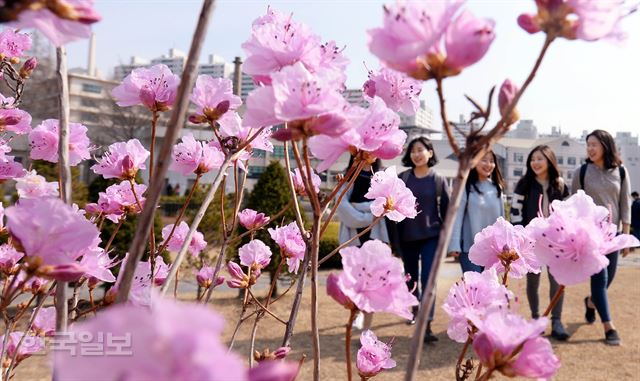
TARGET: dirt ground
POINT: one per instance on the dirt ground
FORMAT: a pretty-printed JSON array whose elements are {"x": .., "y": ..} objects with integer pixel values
[{"x": 583, "y": 357}]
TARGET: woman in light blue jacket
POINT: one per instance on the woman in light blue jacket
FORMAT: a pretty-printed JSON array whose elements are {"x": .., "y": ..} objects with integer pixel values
[{"x": 481, "y": 204}]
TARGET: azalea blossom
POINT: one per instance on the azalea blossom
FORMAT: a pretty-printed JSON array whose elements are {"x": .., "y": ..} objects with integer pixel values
[
  {"x": 274, "y": 371},
  {"x": 30, "y": 345},
  {"x": 44, "y": 323},
  {"x": 238, "y": 278},
  {"x": 255, "y": 254},
  {"x": 334, "y": 291},
  {"x": 291, "y": 244},
  {"x": 504, "y": 246},
  {"x": 163, "y": 345},
  {"x": 506, "y": 96},
  {"x": 231, "y": 126},
  {"x": 374, "y": 280},
  {"x": 251, "y": 219},
  {"x": 179, "y": 235},
  {"x": 141, "y": 286},
  {"x": 96, "y": 264},
  {"x": 398, "y": 91},
  {"x": 61, "y": 22},
  {"x": 10, "y": 169},
  {"x": 13, "y": 44},
  {"x": 14, "y": 120},
  {"x": 204, "y": 276},
  {"x": 574, "y": 240},
  {"x": 214, "y": 97},
  {"x": 122, "y": 160},
  {"x": 501, "y": 332},
  {"x": 192, "y": 156},
  {"x": 466, "y": 41},
  {"x": 473, "y": 296},
  {"x": 44, "y": 139},
  {"x": 32, "y": 185},
  {"x": 155, "y": 88},
  {"x": 118, "y": 200},
  {"x": 390, "y": 196},
  {"x": 9, "y": 257},
  {"x": 373, "y": 356},
  {"x": 298, "y": 182}
]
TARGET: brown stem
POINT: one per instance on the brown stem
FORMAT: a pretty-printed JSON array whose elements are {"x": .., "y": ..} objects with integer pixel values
[
  {"x": 152, "y": 241},
  {"x": 265, "y": 309},
  {"x": 486, "y": 376},
  {"x": 223, "y": 218},
  {"x": 347, "y": 342},
  {"x": 180, "y": 214},
  {"x": 445, "y": 121},
  {"x": 461, "y": 356},
  {"x": 339, "y": 185},
  {"x": 315, "y": 335},
  {"x": 175, "y": 285},
  {"x": 252, "y": 340},
  {"x": 315, "y": 201},
  {"x": 295, "y": 306},
  {"x": 274, "y": 280},
  {"x": 238, "y": 324},
  {"x": 294, "y": 196},
  {"x": 154, "y": 122},
  {"x": 358, "y": 167},
  {"x": 337, "y": 249},
  {"x": 271, "y": 218},
  {"x": 554, "y": 301},
  {"x": 113, "y": 235}
]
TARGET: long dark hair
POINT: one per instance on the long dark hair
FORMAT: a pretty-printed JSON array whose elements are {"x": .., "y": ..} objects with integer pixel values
[
  {"x": 406, "y": 159},
  {"x": 496, "y": 177},
  {"x": 529, "y": 178},
  {"x": 611, "y": 155}
]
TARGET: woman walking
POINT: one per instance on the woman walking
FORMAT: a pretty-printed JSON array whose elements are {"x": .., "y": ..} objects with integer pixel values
[
  {"x": 605, "y": 179},
  {"x": 540, "y": 185}
]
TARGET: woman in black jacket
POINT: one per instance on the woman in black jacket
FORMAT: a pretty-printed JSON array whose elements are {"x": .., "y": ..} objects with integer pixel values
[{"x": 540, "y": 185}]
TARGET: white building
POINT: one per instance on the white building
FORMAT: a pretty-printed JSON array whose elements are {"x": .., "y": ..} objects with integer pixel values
[
  {"x": 121, "y": 71},
  {"x": 630, "y": 152},
  {"x": 216, "y": 67},
  {"x": 524, "y": 130},
  {"x": 175, "y": 60}
]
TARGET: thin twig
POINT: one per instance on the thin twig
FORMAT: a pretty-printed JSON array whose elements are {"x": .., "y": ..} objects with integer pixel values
[{"x": 337, "y": 249}]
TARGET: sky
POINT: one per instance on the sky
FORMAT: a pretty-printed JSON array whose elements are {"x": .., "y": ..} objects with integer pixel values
[{"x": 580, "y": 85}]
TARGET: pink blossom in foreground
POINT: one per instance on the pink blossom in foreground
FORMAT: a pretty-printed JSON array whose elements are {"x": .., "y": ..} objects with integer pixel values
[
  {"x": 9, "y": 257},
  {"x": 398, "y": 91},
  {"x": 14, "y": 120},
  {"x": 43, "y": 141},
  {"x": 32, "y": 185},
  {"x": 274, "y": 371},
  {"x": 179, "y": 235},
  {"x": 118, "y": 200},
  {"x": 374, "y": 280},
  {"x": 575, "y": 238},
  {"x": 13, "y": 44},
  {"x": 164, "y": 345},
  {"x": 10, "y": 169},
  {"x": 474, "y": 295},
  {"x": 501, "y": 332},
  {"x": 44, "y": 323},
  {"x": 155, "y": 88},
  {"x": 334, "y": 291},
  {"x": 50, "y": 229},
  {"x": 298, "y": 183},
  {"x": 255, "y": 254},
  {"x": 373, "y": 356},
  {"x": 30, "y": 345},
  {"x": 214, "y": 97},
  {"x": 251, "y": 219},
  {"x": 291, "y": 244},
  {"x": 122, "y": 160},
  {"x": 409, "y": 31},
  {"x": 504, "y": 244},
  {"x": 192, "y": 156},
  {"x": 390, "y": 196},
  {"x": 70, "y": 22}
]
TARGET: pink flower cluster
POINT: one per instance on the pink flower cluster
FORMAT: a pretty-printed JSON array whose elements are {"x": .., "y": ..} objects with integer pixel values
[
  {"x": 122, "y": 160},
  {"x": 118, "y": 201},
  {"x": 32, "y": 185},
  {"x": 192, "y": 156},
  {"x": 44, "y": 139},
  {"x": 251, "y": 219},
  {"x": 213, "y": 98},
  {"x": 298, "y": 182},
  {"x": 12, "y": 118},
  {"x": 9, "y": 168},
  {"x": 398, "y": 91},
  {"x": 154, "y": 88},
  {"x": 390, "y": 196},
  {"x": 30, "y": 345},
  {"x": 373, "y": 356},
  {"x": 13, "y": 44},
  {"x": 179, "y": 235},
  {"x": 291, "y": 244}
]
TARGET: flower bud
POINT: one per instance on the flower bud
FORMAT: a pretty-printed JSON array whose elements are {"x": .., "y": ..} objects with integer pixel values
[
  {"x": 528, "y": 23},
  {"x": 507, "y": 94},
  {"x": 28, "y": 67},
  {"x": 69, "y": 272},
  {"x": 334, "y": 291}
]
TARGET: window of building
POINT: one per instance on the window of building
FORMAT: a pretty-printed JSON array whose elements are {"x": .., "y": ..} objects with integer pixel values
[
  {"x": 517, "y": 172},
  {"x": 571, "y": 160},
  {"x": 258, "y": 153},
  {"x": 91, "y": 88},
  {"x": 89, "y": 117},
  {"x": 255, "y": 171},
  {"x": 518, "y": 157},
  {"x": 560, "y": 160},
  {"x": 278, "y": 151},
  {"x": 92, "y": 103}
]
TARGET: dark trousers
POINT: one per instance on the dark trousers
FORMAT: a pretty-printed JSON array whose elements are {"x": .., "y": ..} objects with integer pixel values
[
  {"x": 600, "y": 282},
  {"x": 533, "y": 283},
  {"x": 416, "y": 254}
]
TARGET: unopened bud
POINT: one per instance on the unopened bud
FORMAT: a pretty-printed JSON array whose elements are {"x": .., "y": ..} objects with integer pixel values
[
  {"x": 197, "y": 119},
  {"x": 508, "y": 92},
  {"x": 28, "y": 67}
]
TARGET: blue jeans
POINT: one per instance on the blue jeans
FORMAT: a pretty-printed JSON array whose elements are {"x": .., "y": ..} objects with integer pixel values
[
  {"x": 467, "y": 265},
  {"x": 413, "y": 253},
  {"x": 600, "y": 282}
]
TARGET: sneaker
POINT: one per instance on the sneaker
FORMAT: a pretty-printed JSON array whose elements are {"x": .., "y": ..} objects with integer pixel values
[
  {"x": 557, "y": 330},
  {"x": 590, "y": 313},
  {"x": 611, "y": 337},
  {"x": 358, "y": 322},
  {"x": 414, "y": 311},
  {"x": 429, "y": 337}
]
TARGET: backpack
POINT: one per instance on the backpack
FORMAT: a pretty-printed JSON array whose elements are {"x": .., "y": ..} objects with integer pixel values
[{"x": 583, "y": 172}]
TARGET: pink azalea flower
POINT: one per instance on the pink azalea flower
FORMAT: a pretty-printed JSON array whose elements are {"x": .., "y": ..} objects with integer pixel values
[
  {"x": 43, "y": 141},
  {"x": 50, "y": 229},
  {"x": 122, "y": 160},
  {"x": 373, "y": 356},
  {"x": 14, "y": 120},
  {"x": 44, "y": 323},
  {"x": 298, "y": 183},
  {"x": 161, "y": 271},
  {"x": 274, "y": 371},
  {"x": 14, "y": 44},
  {"x": 400, "y": 92},
  {"x": 575, "y": 238},
  {"x": 503, "y": 243},
  {"x": 467, "y": 40},
  {"x": 334, "y": 291},
  {"x": 72, "y": 22},
  {"x": 204, "y": 276},
  {"x": 192, "y": 156},
  {"x": 255, "y": 254},
  {"x": 179, "y": 235},
  {"x": 33, "y": 185},
  {"x": 473, "y": 296},
  {"x": 161, "y": 345},
  {"x": 96, "y": 264},
  {"x": 251, "y": 219},
  {"x": 410, "y": 30},
  {"x": 332, "y": 64},
  {"x": 141, "y": 286},
  {"x": 9, "y": 257},
  {"x": 374, "y": 280},
  {"x": 501, "y": 332},
  {"x": 390, "y": 196},
  {"x": 30, "y": 345},
  {"x": 276, "y": 42},
  {"x": 154, "y": 88},
  {"x": 214, "y": 97},
  {"x": 291, "y": 244},
  {"x": 260, "y": 108},
  {"x": 118, "y": 200},
  {"x": 507, "y": 94},
  {"x": 10, "y": 169},
  {"x": 5, "y": 148},
  {"x": 231, "y": 126},
  {"x": 238, "y": 278}
]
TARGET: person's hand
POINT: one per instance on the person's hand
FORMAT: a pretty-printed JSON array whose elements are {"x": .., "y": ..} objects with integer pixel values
[
  {"x": 625, "y": 252},
  {"x": 454, "y": 254}
]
